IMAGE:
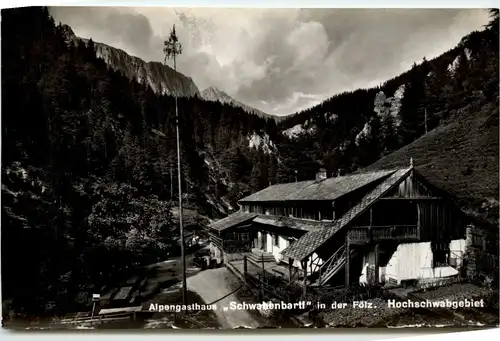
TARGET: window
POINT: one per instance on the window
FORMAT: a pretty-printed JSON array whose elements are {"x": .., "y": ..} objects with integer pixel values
[
  {"x": 276, "y": 240},
  {"x": 238, "y": 236},
  {"x": 440, "y": 254}
]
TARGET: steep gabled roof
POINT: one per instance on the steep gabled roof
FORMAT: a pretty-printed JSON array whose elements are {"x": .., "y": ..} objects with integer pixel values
[
  {"x": 232, "y": 220},
  {"x": 327, "y": 189},
  {"x": 278, "y": 221},
  {"x": 310, "y": 241},
  {"x": 277, "y": 192}
]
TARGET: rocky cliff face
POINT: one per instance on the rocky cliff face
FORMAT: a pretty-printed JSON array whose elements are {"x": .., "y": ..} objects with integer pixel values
[
  {"x": 216, "y": 95},
  {"x": 160, "y": 77}
]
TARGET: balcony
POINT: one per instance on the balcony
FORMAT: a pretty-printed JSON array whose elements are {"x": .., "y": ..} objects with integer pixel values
[{"x": 365, "y": 234}]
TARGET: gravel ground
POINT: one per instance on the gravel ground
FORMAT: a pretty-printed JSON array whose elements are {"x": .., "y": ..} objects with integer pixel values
[{"x": 211, "y": 285}]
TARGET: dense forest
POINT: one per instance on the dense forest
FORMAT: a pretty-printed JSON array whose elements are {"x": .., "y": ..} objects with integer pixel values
[
  {"x": 89, "y": 160},
  {"x": 89, "y": 165}
]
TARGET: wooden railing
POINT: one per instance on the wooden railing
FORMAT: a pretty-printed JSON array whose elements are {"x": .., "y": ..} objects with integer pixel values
[
  {"x": 359, "y": 234},
  {"x": 231, "y": 246},
  {"x": 395, "y": 232},
  {"x": 378, "y": 233},
  {"x": 236, "y": 246},
  {"x": 216, "y": 240}
]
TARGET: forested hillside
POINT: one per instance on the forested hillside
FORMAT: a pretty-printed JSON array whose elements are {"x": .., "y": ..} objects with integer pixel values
[
  {"x": 89, "y": 165},
  {"x": 353, "y": 129},
  {"x": 448, "y": 106},
  {"x": 460, "y": 157}
]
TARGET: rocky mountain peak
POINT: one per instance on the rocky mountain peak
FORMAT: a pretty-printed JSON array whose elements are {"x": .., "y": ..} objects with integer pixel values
[{"x": 160, "y": 77}]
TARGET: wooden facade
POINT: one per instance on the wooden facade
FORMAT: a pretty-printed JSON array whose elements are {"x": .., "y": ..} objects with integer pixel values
[
  {"x": 320, "y": 210},
  {"x": 414, "y": 211},
  {"x": 400, "y": 207},
  {"x": 232, "y": 241},
  {"x": 315, "y": 210}
]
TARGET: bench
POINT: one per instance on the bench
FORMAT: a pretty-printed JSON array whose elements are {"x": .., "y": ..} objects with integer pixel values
[{"x": 123, "y": 294}]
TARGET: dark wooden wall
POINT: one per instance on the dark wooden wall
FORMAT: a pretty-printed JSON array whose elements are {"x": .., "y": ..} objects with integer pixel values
[
  {"x": 440, "y": 220},
  {"x": 414, "y": 201},
  {"x": 332, "y": 245},
  {"x": 237, "y": 240},
  {"x": 412, "y": 187}
]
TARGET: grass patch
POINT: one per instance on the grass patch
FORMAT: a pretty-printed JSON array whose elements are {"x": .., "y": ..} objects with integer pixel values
[{"x": 461, "y": 158}]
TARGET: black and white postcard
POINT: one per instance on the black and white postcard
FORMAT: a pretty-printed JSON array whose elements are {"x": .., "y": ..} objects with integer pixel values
[{"x": 226, "y": 168}]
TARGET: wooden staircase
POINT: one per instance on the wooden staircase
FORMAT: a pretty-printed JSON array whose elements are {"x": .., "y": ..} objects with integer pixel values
[
  {"x": 332, "y": 266},
  {"x": 257, "y": 256}
]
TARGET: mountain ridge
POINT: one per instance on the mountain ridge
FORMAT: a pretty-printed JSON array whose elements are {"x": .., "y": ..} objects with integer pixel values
[
  {"x": 160, "y": 77},
  {"x": 214, "y": 94}
]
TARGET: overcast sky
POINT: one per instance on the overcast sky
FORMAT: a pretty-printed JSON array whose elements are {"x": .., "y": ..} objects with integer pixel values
[{"x": 280, "y": 60}]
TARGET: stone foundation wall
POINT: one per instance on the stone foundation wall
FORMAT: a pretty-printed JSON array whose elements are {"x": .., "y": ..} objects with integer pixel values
[{"x": 477, "y": 260}]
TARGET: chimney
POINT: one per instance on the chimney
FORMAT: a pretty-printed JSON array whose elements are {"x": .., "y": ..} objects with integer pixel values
[{"x": 321, "y": 174}]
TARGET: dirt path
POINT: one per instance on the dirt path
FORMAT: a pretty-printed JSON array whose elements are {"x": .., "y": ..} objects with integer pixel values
[{"x": 211, "y": 285}]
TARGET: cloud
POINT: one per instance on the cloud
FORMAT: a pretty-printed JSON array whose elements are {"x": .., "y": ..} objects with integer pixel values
[{"x": 281, "y": 60}]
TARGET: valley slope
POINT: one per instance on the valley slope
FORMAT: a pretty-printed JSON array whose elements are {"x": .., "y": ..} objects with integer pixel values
[{"x": 460, "y": 157}]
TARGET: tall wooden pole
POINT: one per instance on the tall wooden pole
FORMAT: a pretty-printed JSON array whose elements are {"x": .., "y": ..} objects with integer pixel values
[
  {"x": 172, "y": 49},
  {"x": 347, "y": 264},
  {"x": 263, "y": 267},
  {"x": 304, "y": 284},
  {"x": 181, "y": 225}
]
